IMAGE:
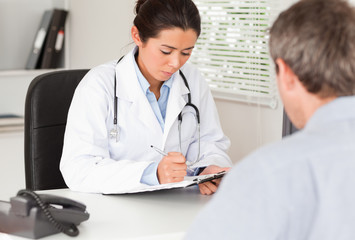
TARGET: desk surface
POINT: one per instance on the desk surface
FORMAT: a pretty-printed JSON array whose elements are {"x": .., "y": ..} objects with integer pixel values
[{"x": 154, "y": 215}]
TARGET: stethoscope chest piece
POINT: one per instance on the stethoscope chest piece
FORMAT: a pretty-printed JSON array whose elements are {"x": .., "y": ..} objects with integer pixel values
[{"x": 115, "y": 133}]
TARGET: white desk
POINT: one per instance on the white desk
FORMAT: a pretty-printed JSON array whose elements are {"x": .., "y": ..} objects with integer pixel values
[{"x": 155, "y": 215}]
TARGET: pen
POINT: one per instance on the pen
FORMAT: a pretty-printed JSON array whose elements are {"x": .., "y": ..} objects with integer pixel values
[
  {"x": 159, "y": 151},
  {"x": 165, "y": 154}
]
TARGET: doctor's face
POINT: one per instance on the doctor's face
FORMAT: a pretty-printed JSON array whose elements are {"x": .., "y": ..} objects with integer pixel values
[{"x": 160, "y": 57}]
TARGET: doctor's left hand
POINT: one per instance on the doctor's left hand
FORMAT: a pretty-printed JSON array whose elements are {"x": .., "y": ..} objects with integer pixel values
[
  {"x": 208, "y": 188},
  {"x": 172, "y": 168}
]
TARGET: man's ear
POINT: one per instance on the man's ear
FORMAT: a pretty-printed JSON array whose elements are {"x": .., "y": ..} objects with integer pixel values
[
  {"x": 135, "y": 36},
  {"x": 286, "y": 77}
]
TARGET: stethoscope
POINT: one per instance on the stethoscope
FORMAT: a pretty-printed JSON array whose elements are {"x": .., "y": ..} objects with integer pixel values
[{"x": 115, "y": 132}]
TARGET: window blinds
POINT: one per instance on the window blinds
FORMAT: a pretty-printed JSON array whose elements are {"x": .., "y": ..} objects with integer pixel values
[{"x": 232, "y": 50}]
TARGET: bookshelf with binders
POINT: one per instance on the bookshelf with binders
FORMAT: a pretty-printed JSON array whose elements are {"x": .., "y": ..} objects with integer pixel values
[
  {"x": 54, "y": 43},
  {"x": 36, "y": 53},
  {"x": 48, "y": 45},
  {"x": 21, "y": 23}
]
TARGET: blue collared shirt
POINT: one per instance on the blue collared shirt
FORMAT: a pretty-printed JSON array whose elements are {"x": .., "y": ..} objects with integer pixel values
[
  {"x": 159, "y": 108},
  {"x": 299, "y": 188}
]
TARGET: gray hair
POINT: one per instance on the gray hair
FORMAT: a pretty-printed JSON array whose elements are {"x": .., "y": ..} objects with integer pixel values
[{"x": 316, "y": 39}]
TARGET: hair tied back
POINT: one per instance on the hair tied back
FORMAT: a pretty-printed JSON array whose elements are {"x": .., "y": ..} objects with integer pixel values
[{"x": 139, "y": 4}]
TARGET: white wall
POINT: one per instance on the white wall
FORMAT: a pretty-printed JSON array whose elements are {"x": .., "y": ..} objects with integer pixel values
[
  {"x": 249, "y": 126},
  {"x": 100, "y": 32},
  {"x": 12, "y": 170}
]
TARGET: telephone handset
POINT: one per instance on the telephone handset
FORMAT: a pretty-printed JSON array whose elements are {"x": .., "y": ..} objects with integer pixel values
[{"x": 34, "y": 216}]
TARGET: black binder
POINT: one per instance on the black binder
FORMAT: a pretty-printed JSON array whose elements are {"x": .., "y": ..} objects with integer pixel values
[
  {"x": 53, "y": 49},
  {"x": 34, "y": 58}
]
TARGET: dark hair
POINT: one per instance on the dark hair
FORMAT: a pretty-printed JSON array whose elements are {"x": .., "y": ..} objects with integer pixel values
[
  {"x": 152, "y": 16},
  {"x": 316, "y": 39}
]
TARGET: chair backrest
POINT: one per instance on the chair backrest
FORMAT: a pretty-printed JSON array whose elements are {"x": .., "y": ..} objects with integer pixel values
[{"x": 47, "y": 103}]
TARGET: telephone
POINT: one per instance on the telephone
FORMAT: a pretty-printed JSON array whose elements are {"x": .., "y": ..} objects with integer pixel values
[{"x": 34, "y": 215}]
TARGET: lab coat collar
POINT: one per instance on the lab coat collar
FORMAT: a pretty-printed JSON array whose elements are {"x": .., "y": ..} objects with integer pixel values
[
  {"x": 127, "y": 82},
  {"x": 176, "y": 103},
  {"x": 129, "y": 89}
]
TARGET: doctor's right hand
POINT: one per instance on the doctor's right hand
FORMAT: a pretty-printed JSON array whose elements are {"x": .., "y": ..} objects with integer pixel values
[{"x": 172, "y": 168}]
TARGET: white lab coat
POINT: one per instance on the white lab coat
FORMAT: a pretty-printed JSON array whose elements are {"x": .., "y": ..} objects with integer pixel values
[{"x": 94, "y": 162}]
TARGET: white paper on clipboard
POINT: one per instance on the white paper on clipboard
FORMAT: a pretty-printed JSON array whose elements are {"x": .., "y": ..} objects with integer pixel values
[{"x": 188, "y": 181}]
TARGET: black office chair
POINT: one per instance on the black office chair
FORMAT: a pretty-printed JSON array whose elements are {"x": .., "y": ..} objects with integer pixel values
[{"x": 47, "y": 102}]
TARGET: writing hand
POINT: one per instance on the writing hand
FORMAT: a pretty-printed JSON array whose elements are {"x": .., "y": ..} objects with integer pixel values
[{"x": 172, "y": 168}]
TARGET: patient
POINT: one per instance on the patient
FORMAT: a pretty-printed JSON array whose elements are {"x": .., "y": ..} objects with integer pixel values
[{"x": 302, "y": 187}]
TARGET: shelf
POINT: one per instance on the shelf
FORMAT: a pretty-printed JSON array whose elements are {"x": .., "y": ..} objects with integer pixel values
[
  {"x": 26, "y": 73},
  {"x": 11, "y": 123}
]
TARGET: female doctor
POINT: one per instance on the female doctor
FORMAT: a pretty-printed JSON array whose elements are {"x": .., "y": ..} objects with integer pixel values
[{"x": 108, "y": 148}]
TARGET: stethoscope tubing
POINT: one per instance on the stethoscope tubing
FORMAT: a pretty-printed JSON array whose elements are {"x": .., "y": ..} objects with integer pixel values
[{"x": 114, "y": 132}]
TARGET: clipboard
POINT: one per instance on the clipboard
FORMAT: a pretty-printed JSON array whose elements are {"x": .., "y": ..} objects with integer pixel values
[
  {"x": 187, "y": 182},
  {"x": 206, "y": 178}
]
